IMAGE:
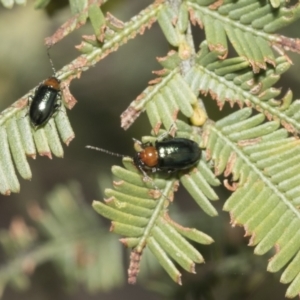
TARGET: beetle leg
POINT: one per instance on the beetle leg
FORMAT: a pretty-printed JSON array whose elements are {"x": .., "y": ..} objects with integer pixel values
[
  {"x": 171, "y": 132},
  {"x": 59, "y": 99},
  {"x": 58, "y": 103},
  {"x": 57, "y": 107},
  {"x": 146, "y": 178},
  {"x": 59, "y": 95},
  {"x": 30, "y": 98}
]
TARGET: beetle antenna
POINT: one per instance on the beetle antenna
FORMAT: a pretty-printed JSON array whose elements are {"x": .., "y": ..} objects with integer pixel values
[
  {"x": 139, "y": 167},
  {"x": 106, "y": 151},
  {"x": 51, "y": 62}
]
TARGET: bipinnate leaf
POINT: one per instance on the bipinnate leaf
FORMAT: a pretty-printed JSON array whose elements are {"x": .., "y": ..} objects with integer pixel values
[
  {"x": 263, "y": 162},
  {"x": 249, "y": 26},
  {"x": 139, "y": 211},
  {"x": 20, "y": 139}
]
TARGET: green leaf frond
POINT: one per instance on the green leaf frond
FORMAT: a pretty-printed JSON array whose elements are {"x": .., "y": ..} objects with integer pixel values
[
  {"x": 261, "y": 158},
  {"x": 114, "y": 32},
  {"x": 264, "y": 163},
  {"x": 163, "y": 101},
  {"x": 248, "y": 24},
  {"x": 67, "y": 233},
  {"x": 19, "y": 139},
  {"x": 110, "y": 34},
  {"x": 231, "y": 80},
  {"x": 139, "y": 211},
  {"x": 169, "y": 94},
  {"x": 17, "y": 135},
  {"x": 225, "y": 80},
  {"x": 82, "y": 10},
  {"x": 173, "y": 91}
]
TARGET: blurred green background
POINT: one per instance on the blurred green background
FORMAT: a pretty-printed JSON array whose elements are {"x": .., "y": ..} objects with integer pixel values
[{"x": 103, "y": 93}]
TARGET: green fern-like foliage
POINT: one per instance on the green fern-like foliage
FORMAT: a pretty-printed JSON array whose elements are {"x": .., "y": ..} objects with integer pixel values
[
  {"x": 140, "y": 213},
  {"x": 68, "y": 234},
  {"x": 230, "y": 80},
  {"x": 263, "y": 162},
  {"x": 176, "y": 90},
  {"x": 249, "y": 25},
  {"x": 18, "y": 136},
  {"x": 255, "y": 151},
  {"x": 19, "y": 139}
]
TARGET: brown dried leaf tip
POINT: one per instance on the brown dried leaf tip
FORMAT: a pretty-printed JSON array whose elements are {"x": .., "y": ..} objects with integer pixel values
[
  {"x": 290, "y": 44},
  {"x": 114, "y": 22},
  {"x": 230, "y": 164},
  {"x": 63, "y": 31},
  {"x": 194, "y": 19},
  {"x": 129, "y": 116},
  {"x": 69, "y": 99},
  {"x": 70, "y": 25},
  {"x": 134, "y": 266},
  {"x": 216, "y": 5},
  {"x": 68, "y": 140},
  {"x": 231, "y": 187}
]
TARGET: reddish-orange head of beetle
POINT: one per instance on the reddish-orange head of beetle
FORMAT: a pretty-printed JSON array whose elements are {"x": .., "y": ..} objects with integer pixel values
[
  {"x": 149, "y": 156},
  {"x": 52, "y": 82}
]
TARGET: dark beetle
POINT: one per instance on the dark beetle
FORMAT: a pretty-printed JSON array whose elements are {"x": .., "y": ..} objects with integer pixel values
[
  {"x": 44, "y": 102},
  {"x": 169, "y": 155}
]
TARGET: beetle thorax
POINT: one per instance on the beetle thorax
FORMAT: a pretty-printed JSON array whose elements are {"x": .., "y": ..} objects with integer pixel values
[{"x": 53, "y": 82}]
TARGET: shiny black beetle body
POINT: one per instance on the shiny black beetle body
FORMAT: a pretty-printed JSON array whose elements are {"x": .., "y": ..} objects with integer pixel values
[
  {"x": 168, "y": 155},
  {"x": 44, "y": 102}
]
